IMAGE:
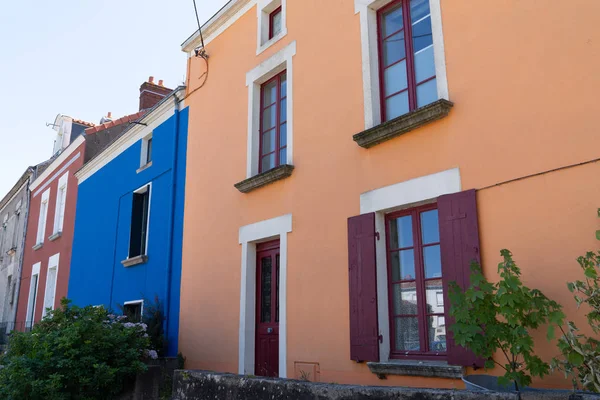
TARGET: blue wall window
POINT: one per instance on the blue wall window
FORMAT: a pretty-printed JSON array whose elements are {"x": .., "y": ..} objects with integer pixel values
[{"x": 139, "y": 222}]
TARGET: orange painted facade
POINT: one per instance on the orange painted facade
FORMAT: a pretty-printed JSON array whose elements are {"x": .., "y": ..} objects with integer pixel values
[{"x": 523, "y": 78}]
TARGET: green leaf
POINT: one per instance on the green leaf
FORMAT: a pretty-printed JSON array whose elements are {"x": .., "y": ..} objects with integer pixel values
[
  {"x": 598, "y": 235},
  {"x": 590, "y": 273},
  {"x": 489, "y": 364},
  {"x": 550, "y": 333},
  {"x": 575, "y": 358}
]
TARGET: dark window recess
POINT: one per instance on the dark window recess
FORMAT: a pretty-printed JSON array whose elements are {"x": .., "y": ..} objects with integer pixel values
[
  {"x": 362, "y": 274},
  {"x": 139, "y": 223},
  {"x": 133, "y": 312},
  {"x": 273, "y": 123},
  {"x": 407, "y": 67},
  {"x": 149, "y": 151},
  {"x": 275, "y": 23},
  {"x": 459, "y": 237}
]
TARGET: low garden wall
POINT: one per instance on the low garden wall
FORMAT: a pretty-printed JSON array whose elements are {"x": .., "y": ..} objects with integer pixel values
[{"x": 204, "y": 385}]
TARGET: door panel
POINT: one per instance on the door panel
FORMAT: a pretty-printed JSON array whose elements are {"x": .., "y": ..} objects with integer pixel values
[{"x": 267, "y": 312}]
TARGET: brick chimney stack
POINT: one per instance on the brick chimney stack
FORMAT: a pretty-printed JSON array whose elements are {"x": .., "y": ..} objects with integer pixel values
[{"x": 151, "y": 93}]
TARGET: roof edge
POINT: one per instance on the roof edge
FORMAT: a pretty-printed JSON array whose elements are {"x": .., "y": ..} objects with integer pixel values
[{"x": 16, "y": 187}]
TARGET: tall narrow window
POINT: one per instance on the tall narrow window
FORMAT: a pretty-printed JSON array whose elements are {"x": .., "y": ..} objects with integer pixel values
[
  {"x": 133, "y": 311},
  {"x": 408, "y": 78},
  {"x": 51, "y": 278},
  {"x": 31, "y": 301},
  {"x": 42, "y": 217},
  {"x": 273, "y": 128},
  {"x": 61, "y": 199},
  {"x": 139, "y": 222},
  {"x": 149, "y": 151},
  {"x": 415, "y": 276},
  {"x": 275, "y": 19}
]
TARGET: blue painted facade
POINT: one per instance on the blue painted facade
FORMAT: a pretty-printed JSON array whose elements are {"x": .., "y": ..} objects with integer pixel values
[{"x": 103, "y": 220}]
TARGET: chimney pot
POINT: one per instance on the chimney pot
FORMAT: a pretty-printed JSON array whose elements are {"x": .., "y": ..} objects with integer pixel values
[
  {"x": 151, "y": 79},
  {"x": 160, "y": 82},
  {"x": 109, "y": 115}
]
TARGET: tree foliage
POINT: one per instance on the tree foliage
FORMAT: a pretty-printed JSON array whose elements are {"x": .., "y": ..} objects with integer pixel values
[
  {"x": 492, "y": 317},
  {"x": 74, "y": 353}
]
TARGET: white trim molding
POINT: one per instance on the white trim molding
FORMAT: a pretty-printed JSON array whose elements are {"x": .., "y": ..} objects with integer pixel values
[
  {"x": 280, "y": 61},
  {"x": 59, "y": 160},
  {"x": 389, "y": 198},
  {"x": 264, "y": 9},
  {"x": 43, "y": 217},
  {"x": 367, "y": 10},
  {"x": 61, "y": 202},
  {"x": 249, "y": 236}
]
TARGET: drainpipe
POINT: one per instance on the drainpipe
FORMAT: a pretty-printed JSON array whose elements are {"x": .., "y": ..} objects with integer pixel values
[{"x": 171, "y": 225}]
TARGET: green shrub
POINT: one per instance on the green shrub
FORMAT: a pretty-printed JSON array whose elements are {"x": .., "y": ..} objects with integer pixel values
[
  {"x": 499, "y": 316},
  {"x": 74, "y": 353}
]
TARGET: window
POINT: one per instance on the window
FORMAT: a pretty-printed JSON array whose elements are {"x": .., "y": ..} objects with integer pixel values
[
  {"x": 31, "y": 302},
  {"x": 42, "y": 217},
  {"x": 275, "y": 23},
  {"x": 5, "y": 221},
  {"x": 51, "y": 278},
  {"x": 146, "y": 157},
  {"x": 273, "y": 128},
  {"x": 133, "y": 310},
  {"x": 61, "y": 199},
  {"x": 408, "y": 77},
  {"x": 139, "y": 222},
  {"x": 415, "y": 279}
]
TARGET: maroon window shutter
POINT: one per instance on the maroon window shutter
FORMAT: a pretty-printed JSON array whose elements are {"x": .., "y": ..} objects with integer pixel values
[
  {"x": 459, "y": 241},
  {"x": 364, "y": 331}
]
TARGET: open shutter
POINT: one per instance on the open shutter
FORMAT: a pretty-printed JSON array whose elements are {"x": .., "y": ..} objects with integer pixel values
[
  {"x": 459, "y": 241},
  {"x": 364, "y": 331}
]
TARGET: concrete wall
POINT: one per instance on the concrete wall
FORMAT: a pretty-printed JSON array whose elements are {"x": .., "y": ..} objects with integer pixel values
[{"x": 102, "y": 228}]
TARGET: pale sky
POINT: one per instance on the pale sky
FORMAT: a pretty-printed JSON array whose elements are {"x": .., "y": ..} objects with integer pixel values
[{"x": 82, "y": 58}]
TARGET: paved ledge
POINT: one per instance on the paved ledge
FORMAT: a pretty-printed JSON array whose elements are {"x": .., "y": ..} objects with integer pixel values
[
  {"x": 144, "y": 167},
  {"x": 404, "y": 123},
  {"x": 130, "y": 262},
  {"x": 435, "y": 369},
  {"x": 55, "y": 236},
  {"x": 265, "y": 178},
  {"x": 38, "y": 246}
]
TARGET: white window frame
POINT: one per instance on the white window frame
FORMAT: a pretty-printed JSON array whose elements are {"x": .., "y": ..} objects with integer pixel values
[
  {"x": 147, "y": 187},
  {"x": 264, "y": 8},
  {"x": 61, "y": 201},
  {"x": 5, "y": 221},
  {"x": 384, "y": 200},
  {"x": 32, "y": 299},
  {"x": 126, "y": 303},
  {"x": 53, "y": 262},
  {"x": 144, "y": 156},
  {"x": 367, "y": 9},
  {"x": 18, "y": 207},
  {"x": 279, "y": 62},
  {"x": 43, "y": 217}
]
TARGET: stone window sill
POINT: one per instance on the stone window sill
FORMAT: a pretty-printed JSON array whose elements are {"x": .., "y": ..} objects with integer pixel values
[
  {"x": 434, "y": 369},
  {"x": 265, "y": 178},
  {"x": 55, "y": 236},
  {"x": 38, "y": 246},
  {"x": 144, "y": 167},
  {"x": 403, "y": 124},
  {"x": 130, "y": 262},
  {"x": 271, "y": 42}
]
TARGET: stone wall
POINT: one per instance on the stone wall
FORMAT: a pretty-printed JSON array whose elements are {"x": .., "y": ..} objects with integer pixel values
[{"x": 203, "y": 385}]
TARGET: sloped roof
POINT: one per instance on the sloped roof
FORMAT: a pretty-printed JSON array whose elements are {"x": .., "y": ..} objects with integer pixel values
[{"x": 110, "y": 124}]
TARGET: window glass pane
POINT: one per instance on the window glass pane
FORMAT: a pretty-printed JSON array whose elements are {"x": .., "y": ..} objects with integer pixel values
[
  {"x": 401, "y": 234},
  {"x": 405, "y": 299},
  {"x": 427, "y": 93},
  {"x": 283, "y": 80},
  {"x": 265, "y": 289},
  {"x": 392, "y": 21},
  {"x": 407, "y": 334},
  {"x": 267, "y": 162},
  {"x": 403, "y": 265},
  {"x": 418, "y": 9},
  {"x": 434, "y": 296},
  {"x": 283, "y": 156},
  {"x": 437, "y": 334},
  {"x": 283, "y": 135},
  {"x": 422, "y": 36},
  {"x": 269, "y": 117},
  {"x": 395, "y": 78},
  {"x": 433, "y": 261},
  {"x": 424, "y": 64},
  {"x": 394, "y": 49},
  {"x": 396, "y": 106},
  {"x": 430, "y": 231},
  {"x": 149, "y": 151},
  {"x": 283, "y": 111},
  {"x": 269, "y": 93},
  {"x": 268, "y": 142},
  {"x": 276, "y": 21}
]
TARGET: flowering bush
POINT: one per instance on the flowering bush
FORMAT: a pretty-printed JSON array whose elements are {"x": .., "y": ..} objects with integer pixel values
[{"x": 74, "y": 353}]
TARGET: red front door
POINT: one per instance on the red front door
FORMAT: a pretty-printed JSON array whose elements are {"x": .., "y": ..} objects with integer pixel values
[{"x": 267, "y": 310}]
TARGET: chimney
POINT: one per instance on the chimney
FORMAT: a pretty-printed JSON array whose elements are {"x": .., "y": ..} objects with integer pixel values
[
  {"x": 151, "y": 93},
  {"x": 109, "y": 115}
]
